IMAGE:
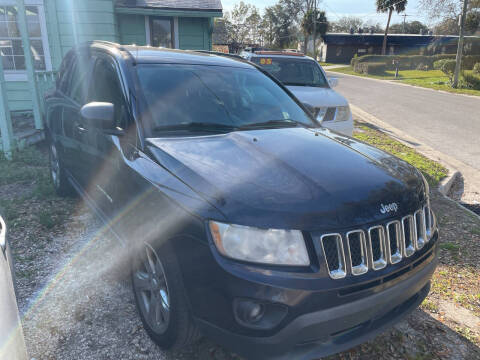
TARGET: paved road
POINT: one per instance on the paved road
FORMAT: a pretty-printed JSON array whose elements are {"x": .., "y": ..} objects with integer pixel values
[{"x": 448, "y": 123}]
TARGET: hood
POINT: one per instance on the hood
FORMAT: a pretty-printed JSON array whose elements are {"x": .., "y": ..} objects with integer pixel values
[
  {"x": 292, "y": 178},
  {"x": 317, "y": 97}
]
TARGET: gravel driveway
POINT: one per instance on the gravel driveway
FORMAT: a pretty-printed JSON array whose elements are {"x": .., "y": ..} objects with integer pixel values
[{"x": 76, "y": 300}]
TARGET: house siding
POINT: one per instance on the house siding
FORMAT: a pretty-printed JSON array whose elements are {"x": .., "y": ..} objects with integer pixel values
[
  {"x": 131, "y": 29},
  {"x": 194, "y": 33},
  {"x": 94, "y": 20},
  {"x": 98, "y": 20}
]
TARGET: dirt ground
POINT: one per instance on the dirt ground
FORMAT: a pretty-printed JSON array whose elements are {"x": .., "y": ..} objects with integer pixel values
[{"x": 77, "y": 303}]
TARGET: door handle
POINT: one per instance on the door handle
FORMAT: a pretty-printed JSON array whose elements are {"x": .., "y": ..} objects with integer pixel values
[{"x": 81, "y": 129}]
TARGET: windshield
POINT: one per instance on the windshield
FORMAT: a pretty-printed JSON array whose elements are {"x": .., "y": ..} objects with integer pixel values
[
  {"x": 229, "y": 97},
  {"x": 294, "y": 72}
]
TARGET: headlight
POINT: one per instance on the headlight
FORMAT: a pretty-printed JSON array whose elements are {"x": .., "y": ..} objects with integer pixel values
[
  {"x": 321, "y": 113},
  {"x": 343, "y": 113},
  {"x": 279, "y": 247}
]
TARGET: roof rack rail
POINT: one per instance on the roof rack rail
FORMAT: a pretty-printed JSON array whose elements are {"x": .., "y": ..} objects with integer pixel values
[
  {"x": 279, "y": 52},
  {"x": 218, "y": 53}
]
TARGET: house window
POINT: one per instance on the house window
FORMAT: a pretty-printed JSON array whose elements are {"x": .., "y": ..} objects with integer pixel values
[
  {"x": 161, "y": 32},
  {"x": 11, "y": 49}
]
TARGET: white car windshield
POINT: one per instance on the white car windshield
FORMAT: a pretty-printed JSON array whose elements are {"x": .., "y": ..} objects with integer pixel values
[{"x": 293, "y": 72}]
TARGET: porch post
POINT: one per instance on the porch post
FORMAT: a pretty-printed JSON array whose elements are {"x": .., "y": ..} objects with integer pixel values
[
  {"x": 32, "y": 83},
  {"x": 5, "y": 118}
]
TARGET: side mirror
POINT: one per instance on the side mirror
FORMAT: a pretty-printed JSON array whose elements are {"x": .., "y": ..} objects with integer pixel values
[
  {"x": 98, "y": 115},
  {"x": 333, "y": 82}
]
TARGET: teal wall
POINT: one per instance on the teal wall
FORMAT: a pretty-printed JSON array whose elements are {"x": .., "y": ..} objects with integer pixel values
[
  {"x": 97, "y": 20},
  {"x": 131, "y": 29},
  {"x": 18, "y": 95},
  {"x": 194, "y": 33}
]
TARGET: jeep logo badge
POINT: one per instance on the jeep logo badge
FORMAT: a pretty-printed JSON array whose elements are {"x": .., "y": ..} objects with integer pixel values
[{"x": 389, "y": 208}]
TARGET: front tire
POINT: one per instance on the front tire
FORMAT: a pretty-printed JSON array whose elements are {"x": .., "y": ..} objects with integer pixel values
[
  {"x": 160, "y": 297},
  {"x": 57, "y": 173}
]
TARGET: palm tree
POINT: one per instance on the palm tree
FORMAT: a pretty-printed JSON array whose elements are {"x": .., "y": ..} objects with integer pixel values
[{"x": 384, "y": 6}]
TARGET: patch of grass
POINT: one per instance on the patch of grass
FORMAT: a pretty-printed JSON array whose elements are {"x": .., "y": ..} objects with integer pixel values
[
  {"x": 432, "y": 79},
  {"x": 49, "y": 218},
  {"x": 433, "y": 171},
  {"x": 450, "y": 247},
  {"x": 468, "y": 334},
  {"x": 23, "y": 167},
  {"x": 430, "y": 306}
]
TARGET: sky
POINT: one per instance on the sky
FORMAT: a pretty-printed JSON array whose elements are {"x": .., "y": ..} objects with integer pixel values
[{"x": 365, "y": 9}]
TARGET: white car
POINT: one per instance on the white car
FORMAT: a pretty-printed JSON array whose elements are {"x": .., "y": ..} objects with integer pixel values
[
  {"x": 306, "y": 79},
  {"x": 12, "y": 343}
]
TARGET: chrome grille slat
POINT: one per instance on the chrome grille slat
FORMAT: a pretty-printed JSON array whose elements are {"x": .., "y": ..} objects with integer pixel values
[
  {"x": 357, "y": 249},
  {"x": 376, "y": 242},
  {"x": 420, "y": 230},
  {"x": 378, "y": 246},
  {"x": 394, "y": 242},
  {"x": 334, "y": 255},
  {"x": 409, "y": 235}
]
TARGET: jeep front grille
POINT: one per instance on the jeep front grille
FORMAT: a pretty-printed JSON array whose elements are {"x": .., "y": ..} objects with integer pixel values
[{"x": 376, "y": 247}]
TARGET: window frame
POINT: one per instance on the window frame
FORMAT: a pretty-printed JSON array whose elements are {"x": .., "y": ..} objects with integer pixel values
[
  {"x": 21, "y": 75},
  {"x": 119, "y": 81},
  {"x": 172, "y": 29}
]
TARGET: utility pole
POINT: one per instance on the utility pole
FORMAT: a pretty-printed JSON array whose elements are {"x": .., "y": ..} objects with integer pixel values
[
  {"x": 404, "y": 21},
  {"x": 458, "y": 62}
]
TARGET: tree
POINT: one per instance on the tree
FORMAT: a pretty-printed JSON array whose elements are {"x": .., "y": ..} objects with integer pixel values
[
  {"x": 389, "y": 6},
  {"x": 221, "y": 31},
  {"x": 345, "y": 23},
  {"x": 413, "y": 27},
  {"x": 298, "y": 10},
  {"x": 240, "y": 20},
  {"x": 448, "y": 11},
  {"x": 321, "y": 20},
  {"x": 281, "y": 25}
]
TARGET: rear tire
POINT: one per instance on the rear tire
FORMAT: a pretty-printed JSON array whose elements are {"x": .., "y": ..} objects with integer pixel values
[
  {"x": 160, "y": 297},
  {"x": 57, "y": 173}
]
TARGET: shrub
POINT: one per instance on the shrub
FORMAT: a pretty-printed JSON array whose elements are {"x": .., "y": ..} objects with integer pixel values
[
  {"x": 447, "y": 66},
  {"x": 469, "y": 61},
  {"x": 370, "y": 68},
  {"x": 476, "y": 68},
  {"x": 471, "y": 80},
  {"x": 423, "y": 67}
]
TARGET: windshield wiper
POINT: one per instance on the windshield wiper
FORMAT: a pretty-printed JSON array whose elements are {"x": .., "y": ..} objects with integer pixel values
[
  {"x": 196, "y": 126},
  {"x": 272, "y": 123}
]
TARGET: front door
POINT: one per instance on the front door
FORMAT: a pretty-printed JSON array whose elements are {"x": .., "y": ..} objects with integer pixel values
[{"x": 105, "y": 158}]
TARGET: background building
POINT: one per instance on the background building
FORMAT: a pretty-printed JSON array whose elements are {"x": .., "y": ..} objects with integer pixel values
[{"x": 341, "y": 48}]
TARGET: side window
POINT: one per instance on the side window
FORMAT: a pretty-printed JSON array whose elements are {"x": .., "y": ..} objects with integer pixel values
[
  {"x": 106, "y": 87},
  {"x": 79, "y": 80}
]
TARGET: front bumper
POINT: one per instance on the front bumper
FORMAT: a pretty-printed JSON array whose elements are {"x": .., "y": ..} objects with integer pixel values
[{"x": 334, "y": 329}]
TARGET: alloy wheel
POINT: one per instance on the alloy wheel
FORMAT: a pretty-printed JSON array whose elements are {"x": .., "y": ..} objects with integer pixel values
[{"x": 150, "y": 285}]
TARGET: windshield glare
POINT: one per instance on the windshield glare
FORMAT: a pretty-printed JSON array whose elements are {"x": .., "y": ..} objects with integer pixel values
[
  {"x": 237, "y": 97},
  {"x": 295, "y": 72}
]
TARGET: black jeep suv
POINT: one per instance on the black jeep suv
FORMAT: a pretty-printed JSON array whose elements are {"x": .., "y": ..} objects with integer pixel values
[{"x": 244, "y": 219}]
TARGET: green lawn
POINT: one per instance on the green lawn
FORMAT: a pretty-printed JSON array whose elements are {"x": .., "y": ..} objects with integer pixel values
[
  {"x": 432, "y": 79},
  {"x": 432, "y": 170}
]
